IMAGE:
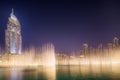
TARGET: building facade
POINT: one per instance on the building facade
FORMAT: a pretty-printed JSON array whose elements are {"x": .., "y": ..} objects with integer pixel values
[{"x": 13, "y": 35}]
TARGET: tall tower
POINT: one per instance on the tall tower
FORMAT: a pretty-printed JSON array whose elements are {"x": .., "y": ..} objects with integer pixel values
[{"x": 13, "y": 35}]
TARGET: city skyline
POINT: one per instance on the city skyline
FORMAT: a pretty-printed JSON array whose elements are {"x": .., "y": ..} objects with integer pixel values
[
  {"x": 66, "y": 24},
  {"x": 59, "y": 39}
]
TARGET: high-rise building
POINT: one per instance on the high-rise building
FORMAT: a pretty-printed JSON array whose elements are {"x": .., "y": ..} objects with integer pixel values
[
  {"x": 13, "y": 35},
  {"x": 116, "y": 42}
]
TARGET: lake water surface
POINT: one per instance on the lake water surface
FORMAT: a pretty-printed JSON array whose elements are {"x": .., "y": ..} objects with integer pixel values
[{"x": 60, "y": 73}]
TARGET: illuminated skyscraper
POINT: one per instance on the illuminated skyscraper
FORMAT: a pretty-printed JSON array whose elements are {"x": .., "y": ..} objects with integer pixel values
[{"x": 13, "y": 35}]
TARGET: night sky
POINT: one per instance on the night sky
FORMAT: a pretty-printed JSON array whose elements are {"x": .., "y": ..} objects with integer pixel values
[{"x": 65, "y": 23}]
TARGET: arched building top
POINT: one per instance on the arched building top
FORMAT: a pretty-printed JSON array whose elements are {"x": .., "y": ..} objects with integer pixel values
[{"x": 13, "y": 16}]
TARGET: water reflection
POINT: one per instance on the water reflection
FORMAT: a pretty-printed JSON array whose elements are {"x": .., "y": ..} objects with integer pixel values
[
  {"x": 61, "y": 73},
  {"x": 40, "y": 73},
  {"x": 10, "y": 74},
  {"x": 1, "y": 74},
  {"x": 15, "y": 74},
  {"x": 50, "y": 73}
]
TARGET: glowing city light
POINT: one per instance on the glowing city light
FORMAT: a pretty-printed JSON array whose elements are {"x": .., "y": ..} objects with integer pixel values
[{"x": 100, "y": 57}]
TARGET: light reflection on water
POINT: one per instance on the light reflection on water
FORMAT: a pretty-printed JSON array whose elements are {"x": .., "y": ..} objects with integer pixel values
[
  {"x": 15, "y": 74},
  {"x": 60, "y": 73}
]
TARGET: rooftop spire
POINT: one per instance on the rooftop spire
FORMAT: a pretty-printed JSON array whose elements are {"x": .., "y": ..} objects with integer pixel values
[
  {"x": 13, "y": 16},
  {"x": 12, "y": 13}
]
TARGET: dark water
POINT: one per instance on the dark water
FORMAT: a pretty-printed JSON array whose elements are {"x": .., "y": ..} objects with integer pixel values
[{"x": 60, "y": 73}]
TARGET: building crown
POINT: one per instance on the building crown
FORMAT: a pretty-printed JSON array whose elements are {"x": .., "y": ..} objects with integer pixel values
[{"x": 13, "y": 16}]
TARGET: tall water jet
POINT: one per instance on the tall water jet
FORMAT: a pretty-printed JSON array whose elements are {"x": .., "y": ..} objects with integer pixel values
[{"x": 48, "y": 55}]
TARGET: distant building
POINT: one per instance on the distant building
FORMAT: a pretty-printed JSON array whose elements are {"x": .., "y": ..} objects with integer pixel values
[
  {"x": 13, "y": 35},
  {"x": 85, "y": 47},
  {"x": 116, "y": 42}
]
